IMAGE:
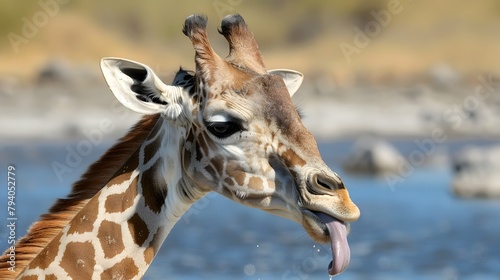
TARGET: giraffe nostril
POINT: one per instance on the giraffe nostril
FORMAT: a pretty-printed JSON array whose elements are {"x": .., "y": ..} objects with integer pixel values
[
  {"x": 324, "y": 185},
  {"x": 322, "y": 181}
]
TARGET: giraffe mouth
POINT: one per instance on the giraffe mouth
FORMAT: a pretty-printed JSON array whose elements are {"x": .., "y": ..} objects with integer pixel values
[{"x": 337, "y": 232}]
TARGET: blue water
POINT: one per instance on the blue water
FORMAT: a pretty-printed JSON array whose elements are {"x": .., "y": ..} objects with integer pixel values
[{"x": 415, "y": 229}]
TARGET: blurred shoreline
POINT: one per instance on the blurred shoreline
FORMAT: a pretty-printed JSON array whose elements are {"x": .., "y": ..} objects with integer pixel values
[{"x": 63, "y": 108}]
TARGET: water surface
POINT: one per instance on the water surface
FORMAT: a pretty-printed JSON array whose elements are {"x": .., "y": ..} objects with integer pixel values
[{"x": 415, "y": 229}]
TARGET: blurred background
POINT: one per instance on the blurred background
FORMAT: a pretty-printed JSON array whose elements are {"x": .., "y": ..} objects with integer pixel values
[{"x": 403, "y": 97}]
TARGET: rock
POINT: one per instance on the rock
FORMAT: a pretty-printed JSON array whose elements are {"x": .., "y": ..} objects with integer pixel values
[
  {"x": 60, "y": 72},
  {"x": 373, "y": 156},
  {"x": 55, "y": 71},
  {"x": 477, "y": 172},
  {"x": 442, "y": 76}
]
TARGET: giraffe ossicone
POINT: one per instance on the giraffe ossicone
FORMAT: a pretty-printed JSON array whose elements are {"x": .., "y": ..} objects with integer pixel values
[{"x": 228, "y": 127}]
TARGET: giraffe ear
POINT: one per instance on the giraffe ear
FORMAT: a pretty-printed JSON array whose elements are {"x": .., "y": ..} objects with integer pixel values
[
  {"x": 293, "y": 79},
  {"x": 137, "y": 87}
]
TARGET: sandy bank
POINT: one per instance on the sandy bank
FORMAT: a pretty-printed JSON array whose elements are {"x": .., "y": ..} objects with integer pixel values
[{"x": 50, "y": 112}]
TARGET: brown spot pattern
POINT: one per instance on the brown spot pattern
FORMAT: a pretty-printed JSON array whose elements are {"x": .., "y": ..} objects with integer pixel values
[
  {"x": 186, "y": 159},
  {"x": 218, "y": 163},
  {"x": 30, "y": 277},
  {"x": 119, "y": 179},
  {"x": 203, "y": 145},
  {"x": 126, "y": 170},
  {"x": 292, "y": 159},
  {"x": 190, "y": 137},
  {"x": 151, "y": 149},
  {"x": 211, "y": 171},
  {"x": 85, "y": 218},
  {"x": 199, "y": 154},
  {"x": 50, "y": 277},
  {"x": 47, "y": 255},
  {"x": 110, "y": 236},
  {"x": 149, "y": 254},
  {"x": 229, "y": 181},
  {"x": 126, "y": 269},
  {"x": 79, "y": 260},
  {"x": 156, "y": 129},
  {"x": 153, "y": 190},
  {"x": 120, "y": 202},
  {"x": 235, "y": 171},
  {"x": 256, "y": 183},
  {"x": 154, "y": 246},
  {"x": 138, "y": 229},
  {"x": 239, "y": 177}
]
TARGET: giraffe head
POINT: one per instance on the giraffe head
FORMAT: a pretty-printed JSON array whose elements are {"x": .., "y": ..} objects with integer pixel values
[{"x": 241, "y": 134}]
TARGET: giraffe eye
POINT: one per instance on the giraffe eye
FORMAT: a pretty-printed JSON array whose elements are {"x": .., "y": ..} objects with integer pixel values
[{"x": 223, "y": 129}]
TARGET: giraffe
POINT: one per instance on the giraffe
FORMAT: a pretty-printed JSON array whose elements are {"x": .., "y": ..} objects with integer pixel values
[{"x": 229, "y": 127}]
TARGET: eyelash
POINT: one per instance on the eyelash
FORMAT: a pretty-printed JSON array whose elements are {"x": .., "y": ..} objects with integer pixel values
[{"x": 223, "y": 129}]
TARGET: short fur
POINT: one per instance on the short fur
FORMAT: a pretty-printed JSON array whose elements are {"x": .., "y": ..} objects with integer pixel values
[{"x": 61, "y": 213}]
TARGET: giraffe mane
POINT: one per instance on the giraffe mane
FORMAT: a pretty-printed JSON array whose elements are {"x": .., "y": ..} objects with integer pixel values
[{"x": 93, "y": 180}]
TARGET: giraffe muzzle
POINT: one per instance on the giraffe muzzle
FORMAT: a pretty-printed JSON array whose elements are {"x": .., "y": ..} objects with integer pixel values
[{"x": 330, "y": 196}]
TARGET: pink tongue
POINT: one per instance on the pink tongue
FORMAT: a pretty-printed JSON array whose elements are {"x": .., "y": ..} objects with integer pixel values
[{"x": 340, "y": 248}]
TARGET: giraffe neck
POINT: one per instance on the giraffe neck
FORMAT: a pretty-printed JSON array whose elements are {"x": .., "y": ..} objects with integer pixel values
[{"x": 122, "y": 227}]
